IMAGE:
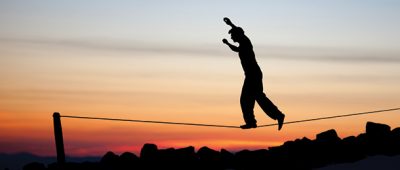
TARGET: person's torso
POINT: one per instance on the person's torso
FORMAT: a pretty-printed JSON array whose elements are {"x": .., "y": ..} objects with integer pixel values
[{"x": 248, "y": 60}]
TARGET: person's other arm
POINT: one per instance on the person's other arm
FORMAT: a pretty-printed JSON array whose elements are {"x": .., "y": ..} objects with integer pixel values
[{"x": 233, "y": 47}]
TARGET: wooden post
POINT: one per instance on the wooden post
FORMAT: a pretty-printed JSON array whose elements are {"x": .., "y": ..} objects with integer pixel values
[{"x": 59, "y": 138}]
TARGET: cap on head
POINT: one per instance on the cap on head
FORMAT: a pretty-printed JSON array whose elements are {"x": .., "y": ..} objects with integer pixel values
[{"x": 236, "y": 31}]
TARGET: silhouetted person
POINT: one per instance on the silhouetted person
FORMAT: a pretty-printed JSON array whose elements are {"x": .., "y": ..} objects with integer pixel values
[{"x": 253, "y": 86}]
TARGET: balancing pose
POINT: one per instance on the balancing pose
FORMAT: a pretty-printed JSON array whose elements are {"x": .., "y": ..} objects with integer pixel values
[{"x": 253, "y": 86}]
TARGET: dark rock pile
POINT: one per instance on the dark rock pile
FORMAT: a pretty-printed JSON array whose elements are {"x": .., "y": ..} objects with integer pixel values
[{"x": 303, "y": 153}]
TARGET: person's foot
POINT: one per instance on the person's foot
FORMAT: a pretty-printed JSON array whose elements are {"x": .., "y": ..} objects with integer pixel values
[
  {"x": 280, "y": 118},
  {"x": 248, "y": 126}
]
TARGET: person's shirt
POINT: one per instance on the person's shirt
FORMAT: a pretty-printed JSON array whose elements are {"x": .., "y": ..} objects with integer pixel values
[{"x": 248, "y": 58}]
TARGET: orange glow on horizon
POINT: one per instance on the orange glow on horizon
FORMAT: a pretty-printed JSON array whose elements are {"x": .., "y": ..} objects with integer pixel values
[{"x": 201, "y": 88}]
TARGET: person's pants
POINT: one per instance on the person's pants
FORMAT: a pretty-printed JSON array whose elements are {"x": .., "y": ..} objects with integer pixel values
[{"x": 253, "y": 91}]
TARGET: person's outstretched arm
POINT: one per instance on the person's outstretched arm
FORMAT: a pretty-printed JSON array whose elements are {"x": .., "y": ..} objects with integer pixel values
[
  {"x": 233, "y": 47},
  {"x": 229, "y": 22}
]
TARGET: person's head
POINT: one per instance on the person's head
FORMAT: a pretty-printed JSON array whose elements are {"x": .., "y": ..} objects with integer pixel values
[{"x": 237, "y": 34}]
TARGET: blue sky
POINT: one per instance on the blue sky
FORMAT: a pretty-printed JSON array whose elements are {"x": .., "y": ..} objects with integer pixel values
[{"x": 339, "y": 23}]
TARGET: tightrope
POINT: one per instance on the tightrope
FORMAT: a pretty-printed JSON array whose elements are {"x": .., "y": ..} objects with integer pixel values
[{"x": 228, "y": 126}]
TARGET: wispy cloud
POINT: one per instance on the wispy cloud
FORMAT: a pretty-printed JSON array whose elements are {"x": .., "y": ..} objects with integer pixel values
[
  {"x": 105, "y": 44},
  {"x": 328, "y": 54},
  {"x": 318, "y": 54},
  {"x": 349, "y": 58}
]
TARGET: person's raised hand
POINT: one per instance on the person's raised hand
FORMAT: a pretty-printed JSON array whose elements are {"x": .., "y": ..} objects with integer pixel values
[
  {"x": 225, "y": 41},
  {"x": 227, "y": 21}
]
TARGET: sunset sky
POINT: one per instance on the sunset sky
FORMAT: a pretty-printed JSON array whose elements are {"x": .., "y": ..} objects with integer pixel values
[{"x": 164, "y": 60}]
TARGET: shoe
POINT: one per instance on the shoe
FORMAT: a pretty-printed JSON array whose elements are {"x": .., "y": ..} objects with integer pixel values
[
  {"x": 280, "y": 118},
  {"x": 248, "y": 126}
]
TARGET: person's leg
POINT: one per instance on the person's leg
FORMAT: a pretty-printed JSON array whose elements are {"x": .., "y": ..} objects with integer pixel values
[
  {"x": 247, "y": 101},
  {"x": 264, "y": 102},
  {"x": 267, "y": 106}
]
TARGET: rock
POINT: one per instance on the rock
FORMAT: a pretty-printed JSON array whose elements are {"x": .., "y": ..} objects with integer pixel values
[
  {"x": 226, "y": 155},
  {"x": 377, "y": 129},
  {"x": 209, "y": 158},
  {"x": 110, "y": 158},
  {"x": 328, "y": 136},
  {"x": 128, "y": 157},
  {"x": 325, "y": 149},
  {"x": 183, "y": 158},
  {"x": 149, "y": 152},
  {"x": 207, "y": 154},
  {"x": 378, "y": 138},
  {"x": 186, "y": 154}
]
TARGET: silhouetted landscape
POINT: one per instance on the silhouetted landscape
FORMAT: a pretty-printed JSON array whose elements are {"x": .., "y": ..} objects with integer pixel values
[
  {"x": 16, "y": 161},
  {"x": 378, "y": 142}
]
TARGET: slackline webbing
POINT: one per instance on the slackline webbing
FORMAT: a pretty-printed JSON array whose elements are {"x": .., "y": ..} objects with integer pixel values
[{"x": 228, "y": 126}]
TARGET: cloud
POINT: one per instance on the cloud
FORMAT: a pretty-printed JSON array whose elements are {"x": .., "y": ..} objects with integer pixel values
[
  {"x": 362, "y": 59},
  {"x": 105, "y": 44},
  {"x": 297, "y": 53},
  {"x": 328, "y": 54}
]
